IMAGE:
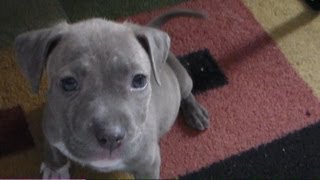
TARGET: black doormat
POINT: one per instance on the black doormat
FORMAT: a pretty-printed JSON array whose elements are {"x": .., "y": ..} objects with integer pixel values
[{"x": 204, "y": 70}]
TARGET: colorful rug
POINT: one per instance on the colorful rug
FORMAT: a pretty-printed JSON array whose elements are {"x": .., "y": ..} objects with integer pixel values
[{"x": 255, "y": 65}]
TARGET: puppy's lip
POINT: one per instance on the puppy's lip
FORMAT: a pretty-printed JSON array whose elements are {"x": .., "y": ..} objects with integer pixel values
[{"x": 106, "y": 163}]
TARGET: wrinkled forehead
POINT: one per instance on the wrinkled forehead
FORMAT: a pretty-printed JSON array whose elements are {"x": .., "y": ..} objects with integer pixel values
[{"x": 100, "y": 43}]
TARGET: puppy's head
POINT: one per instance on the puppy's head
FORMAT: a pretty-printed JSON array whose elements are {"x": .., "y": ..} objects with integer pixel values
[{"x": 99, "y": 76}]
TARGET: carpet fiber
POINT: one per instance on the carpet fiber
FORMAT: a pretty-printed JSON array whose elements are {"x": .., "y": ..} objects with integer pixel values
[{"x": 255, "y": 65}]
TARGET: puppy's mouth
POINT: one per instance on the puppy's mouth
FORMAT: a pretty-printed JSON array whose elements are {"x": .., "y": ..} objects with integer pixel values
[
  {"x": 107, "y": 155},
  {"x": 96, "y": 159}
]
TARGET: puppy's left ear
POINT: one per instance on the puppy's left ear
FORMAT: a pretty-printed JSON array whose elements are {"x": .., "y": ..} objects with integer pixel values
[
  {"x": 157, "y": 44},
  {"x": 32, "y": 50}
]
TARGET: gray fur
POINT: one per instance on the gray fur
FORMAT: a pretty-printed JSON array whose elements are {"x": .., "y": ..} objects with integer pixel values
[{"x": 104, "y": 56}]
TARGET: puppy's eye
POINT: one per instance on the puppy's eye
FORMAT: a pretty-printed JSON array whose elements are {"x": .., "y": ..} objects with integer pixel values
[
  {"x": 139, "y": 81},
  {"x": 69, "y": 84}
]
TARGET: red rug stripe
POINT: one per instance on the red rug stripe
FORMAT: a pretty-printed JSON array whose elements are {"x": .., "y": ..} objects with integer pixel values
[{"x": 265, "y": 98}]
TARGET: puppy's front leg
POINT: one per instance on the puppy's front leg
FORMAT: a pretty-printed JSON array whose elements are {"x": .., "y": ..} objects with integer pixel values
[
  {"x": 195, "y": 115},
  {"x": 149, "y": 165},
  {"x": 55, "y": 165}
]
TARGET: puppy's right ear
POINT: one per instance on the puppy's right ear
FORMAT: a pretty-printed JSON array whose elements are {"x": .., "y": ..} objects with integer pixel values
[{"x": 32, "y": 50}]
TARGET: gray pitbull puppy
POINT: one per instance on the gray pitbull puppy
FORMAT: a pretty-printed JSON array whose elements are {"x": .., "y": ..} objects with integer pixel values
[{"x": 114, "y": 90}]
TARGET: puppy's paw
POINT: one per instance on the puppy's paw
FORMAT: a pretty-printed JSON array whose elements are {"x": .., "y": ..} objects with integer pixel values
[
  {"x": 195, "y": 115},
  {"x": 61, "y": 173}
]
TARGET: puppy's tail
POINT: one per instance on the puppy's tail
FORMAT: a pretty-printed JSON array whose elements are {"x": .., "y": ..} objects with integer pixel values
[{"x": 162, "y": 19}]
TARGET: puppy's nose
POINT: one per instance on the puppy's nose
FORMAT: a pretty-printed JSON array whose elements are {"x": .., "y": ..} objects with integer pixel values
[{"x": 110, "y": 138}]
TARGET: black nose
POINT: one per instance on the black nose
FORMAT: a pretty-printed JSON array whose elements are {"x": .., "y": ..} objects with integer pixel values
[{"x": 109, "y": 138}]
